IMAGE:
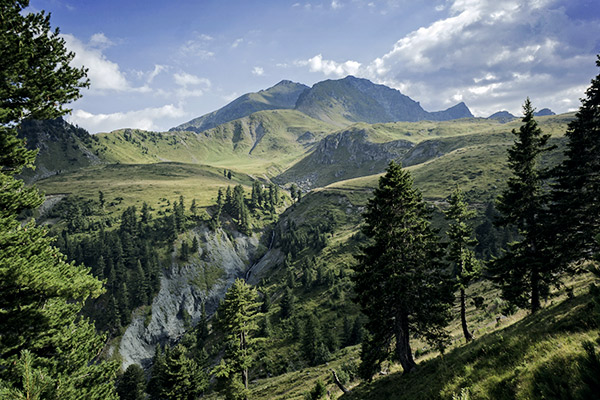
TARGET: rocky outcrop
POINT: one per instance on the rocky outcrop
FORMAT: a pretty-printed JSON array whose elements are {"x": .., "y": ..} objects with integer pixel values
[
  {"x": 344, "y": 155},
  {"x": 205, "y": 278}
]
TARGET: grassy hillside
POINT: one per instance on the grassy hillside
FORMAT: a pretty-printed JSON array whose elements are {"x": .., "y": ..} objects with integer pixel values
[
  {"x": 538, "y": 357},
  {"x": 61, "y": 147},
  {"x": 125, "y": 185},
  {"x": 281, "y": 96},
  {"x": 363, "y": 150},
  {"x": 262, "y": 143}
]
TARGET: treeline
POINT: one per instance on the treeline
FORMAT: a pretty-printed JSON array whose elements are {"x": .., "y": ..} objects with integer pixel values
[
  {"x": 406, "y": 278},
  {"x": 126, "y": 257},
  {"x": 233, "y": 203}
]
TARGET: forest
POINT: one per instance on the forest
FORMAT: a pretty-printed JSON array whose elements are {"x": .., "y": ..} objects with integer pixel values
[{"x": 358, "y": 289}]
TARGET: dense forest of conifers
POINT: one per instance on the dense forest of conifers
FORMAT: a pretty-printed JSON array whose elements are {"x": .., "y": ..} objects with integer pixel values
[{"x": 62, "y": 298}]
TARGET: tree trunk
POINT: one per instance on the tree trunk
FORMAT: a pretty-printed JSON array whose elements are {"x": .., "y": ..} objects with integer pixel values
[
  {"x": 535, "y": 289},
  {"x": 403, "y": 352},
  {"x": 339, "y": 384},
  {"x": 463, "y": 316}
]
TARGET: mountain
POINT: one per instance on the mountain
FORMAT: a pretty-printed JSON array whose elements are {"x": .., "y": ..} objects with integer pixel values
[
  {"x": 282, "y": 95},
  {"x": 265, "y": 140},
  {"x": 61, "y": 147},
  {"x": 339, "y": 102},
  {"x": 348, "y": 100},
  {"x": 456, "y": 112},
  {"x": 502, "y": 116},
  {"x": 544, "y": 112}
]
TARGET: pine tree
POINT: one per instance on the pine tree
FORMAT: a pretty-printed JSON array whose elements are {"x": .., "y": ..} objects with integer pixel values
[
  {"x": 576, "y": 195},
  {"x": 460, "y": 254},
  {"x": 398, "y": 280},
  {"x": 182, "y": 379},
  {"x": 238, "y": 322},
  {"x": 525, "y": 271},
  {"x": 131, "y": 385},
  {"x": 41, "y": 295}
]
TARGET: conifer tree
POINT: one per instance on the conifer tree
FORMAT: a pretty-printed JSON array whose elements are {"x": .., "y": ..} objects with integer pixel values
[
  {"x": 41, "y": 294},
  {"x": 525, "y": 271},
  {"x": 182, "y": 379},
  {"x": 238, "y": 321},
  {"x": 576, "y": 195},
  {"x": 131, "y": 385},
  {"x": 398, "y": 279},
  {"x": 460, "y": 254}
]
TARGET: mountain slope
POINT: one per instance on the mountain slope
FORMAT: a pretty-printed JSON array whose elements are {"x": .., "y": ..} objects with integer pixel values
[
  {"x": 363, "y": 150},
  {"x": 281, "y": 96},
  {"x": 61, "y": 147},
  {"x": 263, "y": 142},
  {"x": 344, "y": 101}
]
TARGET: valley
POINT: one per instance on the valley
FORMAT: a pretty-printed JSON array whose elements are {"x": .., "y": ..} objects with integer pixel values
[{"x": 298, "y": 248}]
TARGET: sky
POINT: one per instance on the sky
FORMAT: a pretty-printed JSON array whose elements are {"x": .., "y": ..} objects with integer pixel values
[{"x": 155, "y": 64}]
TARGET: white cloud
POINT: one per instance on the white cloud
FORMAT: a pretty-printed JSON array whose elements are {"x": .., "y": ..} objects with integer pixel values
[
  {"x": 184, "y": 79},
  {"x": 99, "y": 40},
  {"x": 154, "y": 73},
  {"x": 141, "y": 119},
  {"x": 490, "y": 54},
  {"x": 103, "y": 73},
  {"x": 197, "y": 47},
  {"x": 335, "y": 4},
  {"x": 329, "y": 67},
  {"x": 258, "y": 71},
  {"x": 237, "y": 42}
]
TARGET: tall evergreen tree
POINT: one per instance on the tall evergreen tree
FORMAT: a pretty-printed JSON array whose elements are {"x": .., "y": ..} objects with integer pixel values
[
  {"x": 41, "y": 294},
  {"x": 524, "y": 272},
  {"x": 399, "y": 284},
  {"x": 238, "y": 321},
  {"x": 460, "y": 254},
  {"x": 131, "y": 385},
  {"x": 576, "y": 194}
]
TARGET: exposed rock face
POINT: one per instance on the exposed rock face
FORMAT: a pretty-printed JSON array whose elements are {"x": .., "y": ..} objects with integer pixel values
[
  {"x": 352, "y": 99},
  {"x": 184, "y": 287},
  {"x": 344, "y": 155}
]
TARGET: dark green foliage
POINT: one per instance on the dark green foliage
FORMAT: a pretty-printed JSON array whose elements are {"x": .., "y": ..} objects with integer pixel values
[
  {"x": 319, "y": 391},
  {"x": 460, "y": 254},
  {"x": 526, "y": 270},
  {"x": 127, "y": 257},
  {"x": 41, "y": 295},
  {"x": 314, "y": 347},
  {"x": 576, "y": 194},
  {"x": 131, "y": 385},
  {"x": 288, "y": 303},
  {"x": 237, "y": 321},
  {"x": 176, "y": 375},
  {"x": 399, "y": 284},
  {"x": 492, "y": 239}
]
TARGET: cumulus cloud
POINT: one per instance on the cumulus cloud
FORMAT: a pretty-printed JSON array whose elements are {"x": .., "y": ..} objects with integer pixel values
[
  {"x": 490, "y": 54},
  {"x": 103, "y": 73},
  {"x": 141, "y": 119},
  {"x": 185, "y": 79},
  {"x": 100, "y": 40},
  {"x": 258, "y": 71},
  {"x": 329, "y": 67}
]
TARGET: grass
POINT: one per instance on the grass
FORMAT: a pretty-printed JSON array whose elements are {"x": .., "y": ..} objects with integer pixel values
[
  {"x": 266, "y": 142},
  {"x": 127, "y": 185},
  {"x": 527, "y": 359},
  {"x": 468, "y": 147}
]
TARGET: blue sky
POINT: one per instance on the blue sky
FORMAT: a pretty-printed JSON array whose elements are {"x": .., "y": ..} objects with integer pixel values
[{"x": 156, "y": 64}]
